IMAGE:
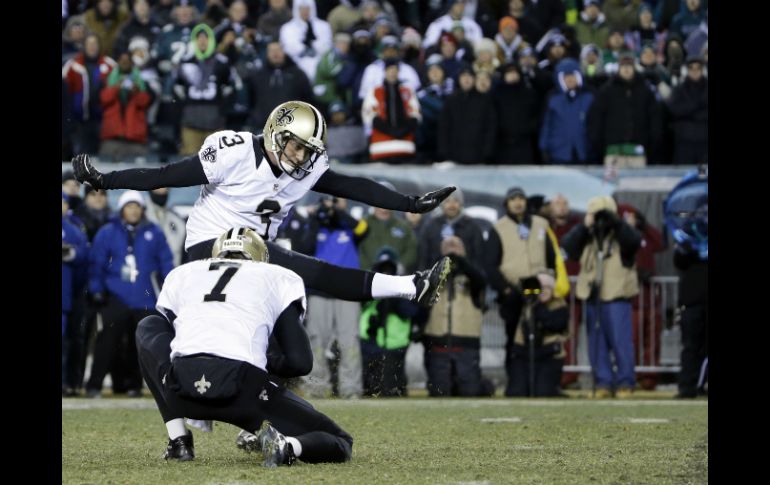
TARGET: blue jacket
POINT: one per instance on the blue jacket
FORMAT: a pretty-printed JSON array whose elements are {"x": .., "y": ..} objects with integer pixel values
[
  {"x": 337, "y": 246},
  {"x": 564, "y": 123},
  {"x": 108, "y": 271},
  {"x": 73, "y": 236}
]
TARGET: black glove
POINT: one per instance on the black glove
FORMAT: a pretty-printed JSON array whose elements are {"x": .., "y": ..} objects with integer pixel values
[
  {"x": 86, "y": 173},
  {"x": 431, "y": 200},
  {"x": 97, "y": 300}
]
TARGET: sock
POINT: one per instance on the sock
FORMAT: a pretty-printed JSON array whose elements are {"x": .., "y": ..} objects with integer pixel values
[
  {"x": 176, "y": 428},
  {"x": 295, "y": 444},
  {"x": 387, "y": 286}
]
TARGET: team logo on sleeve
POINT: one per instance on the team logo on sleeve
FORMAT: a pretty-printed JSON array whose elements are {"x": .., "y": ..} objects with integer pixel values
[
  {"x": 285, "y": 116},
  {"x": 209, "y": 154}
]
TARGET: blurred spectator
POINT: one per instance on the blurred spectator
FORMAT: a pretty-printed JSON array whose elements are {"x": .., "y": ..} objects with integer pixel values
[
  {"x": 172, "y": 225},
  {"x": 645, "y": 313},
  {"x": 305, "y": 38},
  {"x": 173, "y": 43},
  {"x": 616, "y": 45},
  {"x": 665, "y": 10},
  {"x": 688, "y": 19},
  {"x": 279, "y": 80},
  {"x": 563, "y": 135},
  {"x": 352, "y": 73},
  {"x": 693, "y": 318},
  {"x": 375, "y": 72},
  {"x": 464, "y": 46},
  {"x": 411, "y": 50},
  {"x": 698, "y": 38},
  {"x": 215, "y": 13},
  {"x": 125, "y": 254},
  {"x": 539, "y": 340},
  {"x": 530, "y": 28},
  {"x": 444, "y": 23},
  {"x": 161, "y": 12},
  {"x": 517, "y": 248},
  {"x": 625, "y": 120},
  {"x": 592, "y": 67},
  {"x": 336, "y": 236},
  {"x": 74, "y": 259},
  {"x": 652, "y": 72},
  {"x": 368, "y": 13},
  {"x": 270, "y": 23},
  {"x": 342, "y": 17},
  {"x": 547, "y": 13},
  {"x": 391, "y": 114},
  {"x": 561, "y": 219},
  {"x": 689, "y": 107},
  {"x": 85, "y": 75},
  {"x": 347, "y": 141},
  {"x": 517, "y": 113},
  {"x": 541, "y": 81},
  {"x": 140, "y": 25},
  {"x": 384, "y": 228},
  {"x": 485, "y": 51},
  {"x": 591, "y": 27},
  {"x": 432, "y": 97},
  {"x": 508, "y": 39},
  {"x": 125, "y": 99},
  {"x": 452, "y": 333},
  {"x": 201, "y": 82},
  {"x": 139, "y": 49},
  {"x": 72, "y": 38},
  {"x": 673, "y": 59},
  {"x": 384, "y": 330},
  {"x": 621, "y": 14},
  {"x": 606, "y": 247},
  {"x": 332, "y": 64},
  {"x": 644, "y": 32},
  {"x": 554, "y": 50},
  {"x": 452, "y": 62},
  {"x": 106, "y": 19},
  {"x": 468, "y": 124},
  {"x": 95, "y": 211}
]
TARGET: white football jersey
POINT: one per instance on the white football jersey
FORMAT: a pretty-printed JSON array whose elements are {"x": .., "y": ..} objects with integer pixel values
[
  {"x": 241, "y": 194},
  {"x": 227, "y": 307}
]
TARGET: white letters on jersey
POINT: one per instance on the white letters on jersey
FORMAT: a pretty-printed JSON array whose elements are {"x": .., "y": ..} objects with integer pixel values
[
  {"x": 241, "y": 194},
  {"x": 227, "y": 307}
]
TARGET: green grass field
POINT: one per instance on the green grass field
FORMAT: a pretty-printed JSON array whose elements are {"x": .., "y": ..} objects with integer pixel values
[{"x": 433, "y": 441}]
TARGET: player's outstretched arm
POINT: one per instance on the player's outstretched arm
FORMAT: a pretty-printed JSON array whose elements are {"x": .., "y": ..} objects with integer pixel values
[
  {"x": 370, "y": 192},
  {"x": 185, "y": 173},
  {"x": 293, "y": 356}
]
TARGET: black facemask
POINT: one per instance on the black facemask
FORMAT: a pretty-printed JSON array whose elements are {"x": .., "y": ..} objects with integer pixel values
[{"x": 159, "y": 199}]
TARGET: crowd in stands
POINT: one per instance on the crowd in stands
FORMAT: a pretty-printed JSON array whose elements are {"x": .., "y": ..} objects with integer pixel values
[{"x": 618, "y": 82}]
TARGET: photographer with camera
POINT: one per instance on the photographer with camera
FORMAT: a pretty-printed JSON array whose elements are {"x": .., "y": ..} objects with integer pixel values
[
  {"x": 606, "y": 247},
  {"x": 537, "y": 353},
  {"x": 333, "y": 236}
]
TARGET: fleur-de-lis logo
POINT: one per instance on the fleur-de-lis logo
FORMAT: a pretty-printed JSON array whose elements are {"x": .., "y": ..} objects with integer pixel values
[
  {"x": 284, "y": 116},
  {"x": 202, "y": 385}
]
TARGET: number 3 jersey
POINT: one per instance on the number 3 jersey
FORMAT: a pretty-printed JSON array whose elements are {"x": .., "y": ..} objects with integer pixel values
[
  {"x": 242, "y": 192},
  {"x": 227, "y": 307}
]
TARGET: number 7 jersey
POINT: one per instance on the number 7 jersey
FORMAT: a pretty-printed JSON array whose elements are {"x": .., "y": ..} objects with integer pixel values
[
  {"x": 242, "y": 189},
  {"x": 227, "y": 307}
]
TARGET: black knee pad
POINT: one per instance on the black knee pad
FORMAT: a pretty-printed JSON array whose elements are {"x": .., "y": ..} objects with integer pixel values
[{"x": 150, "y": 326}]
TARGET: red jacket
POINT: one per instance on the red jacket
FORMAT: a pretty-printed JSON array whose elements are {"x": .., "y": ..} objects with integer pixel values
[
  {"x": 75, "y": 74},
  {"x": 383, "y": 145},
  {"x": 127, "y": 122}
]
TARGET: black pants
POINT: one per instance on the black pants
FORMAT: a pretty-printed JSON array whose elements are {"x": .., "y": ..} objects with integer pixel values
[
  {"x": 694, "y": 324},
  {"x": 321, "y": 438},
  {"x": 115, "y": 349},
  {"x": 547, "y": 377},
  {"x": 343, "y": 283},
  {"x": 454, "y": 372}
]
